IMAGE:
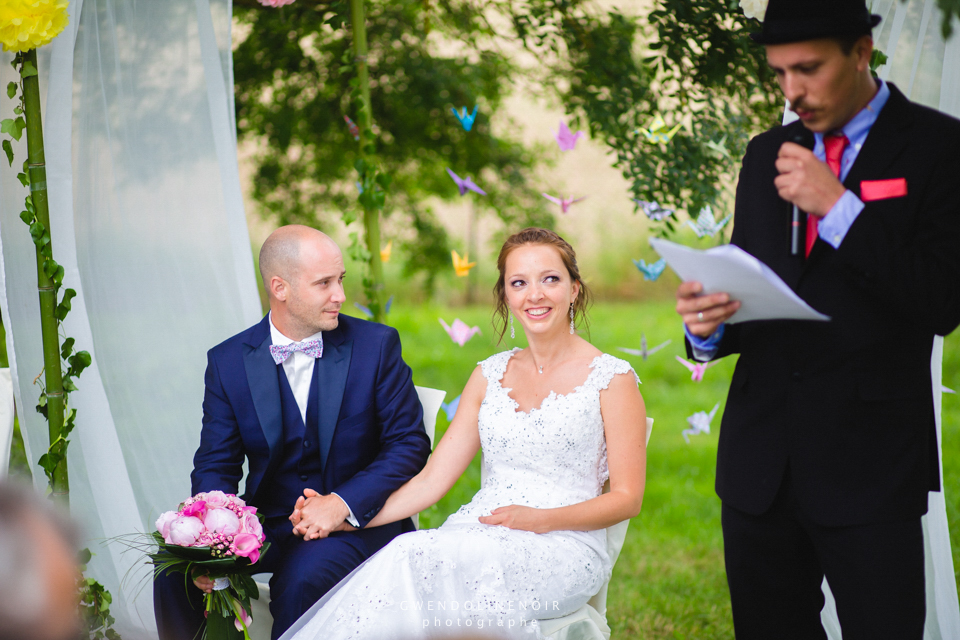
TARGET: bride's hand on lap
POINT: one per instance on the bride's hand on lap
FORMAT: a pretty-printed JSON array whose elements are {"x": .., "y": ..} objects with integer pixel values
[{"x": 517, "y": 517}]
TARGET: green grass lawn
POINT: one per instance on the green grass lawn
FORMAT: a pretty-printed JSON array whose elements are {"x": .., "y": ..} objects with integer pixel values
[{"x": 669, "y": 581}]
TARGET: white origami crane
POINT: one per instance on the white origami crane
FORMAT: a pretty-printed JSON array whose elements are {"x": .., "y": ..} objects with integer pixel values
[
  {"x": 706, "y": 224},
  {"x": 643, "y": 352},
  {"x": 653, "y": 210},
  {"x": 699, "y": 423}
]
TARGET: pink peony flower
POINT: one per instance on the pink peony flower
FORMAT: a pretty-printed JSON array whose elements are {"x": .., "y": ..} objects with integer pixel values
[
  {"x": 275, "y": 3},
  {"x": 214, "y": 499},
  {"x": 194, "y": 509},
  {"x": 247, "y": 545},
  {"x": 184, "y": 531},
  {"x": 163, "y": 523},
  {"x": 221, "y": 521},
  {"x": 251, "y": 524}
]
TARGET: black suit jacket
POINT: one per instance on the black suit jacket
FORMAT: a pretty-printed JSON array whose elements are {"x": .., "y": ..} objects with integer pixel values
[{"x": 848, "y": 404}]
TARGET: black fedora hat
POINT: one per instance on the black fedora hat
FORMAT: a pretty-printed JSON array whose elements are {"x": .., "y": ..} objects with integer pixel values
[{"x": 798, "y": 20}]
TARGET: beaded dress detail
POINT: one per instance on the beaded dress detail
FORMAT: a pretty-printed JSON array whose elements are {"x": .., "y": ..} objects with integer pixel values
[{"x": 468, "y": 577}]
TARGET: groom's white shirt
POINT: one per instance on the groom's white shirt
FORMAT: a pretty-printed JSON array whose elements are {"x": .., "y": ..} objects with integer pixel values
[{"x": 299, "y": 370}]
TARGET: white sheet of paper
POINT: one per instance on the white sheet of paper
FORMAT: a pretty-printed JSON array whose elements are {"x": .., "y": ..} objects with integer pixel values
[{"x": 728, "y": 268}]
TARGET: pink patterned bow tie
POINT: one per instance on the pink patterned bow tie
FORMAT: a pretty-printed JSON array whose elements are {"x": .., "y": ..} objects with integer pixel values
[{"x": 312, "y": 348}]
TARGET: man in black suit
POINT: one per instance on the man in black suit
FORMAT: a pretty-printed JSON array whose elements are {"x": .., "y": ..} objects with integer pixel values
[{"x": 828, "y": 442}]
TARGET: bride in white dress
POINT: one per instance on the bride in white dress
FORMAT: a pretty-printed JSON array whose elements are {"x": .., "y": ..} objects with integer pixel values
[{"x": 555, "y": 421}]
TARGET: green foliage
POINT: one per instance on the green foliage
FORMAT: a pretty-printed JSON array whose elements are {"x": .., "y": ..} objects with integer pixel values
[
  {"x": 949, "y": 9},
  {"x": 95, "y": 603},
  {"x": 295, "y": 82},
  {"x": 700, "y": 70}
]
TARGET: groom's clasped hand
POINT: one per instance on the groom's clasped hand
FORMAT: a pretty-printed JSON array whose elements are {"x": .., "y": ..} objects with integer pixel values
[{"x": 316, "y": 516}]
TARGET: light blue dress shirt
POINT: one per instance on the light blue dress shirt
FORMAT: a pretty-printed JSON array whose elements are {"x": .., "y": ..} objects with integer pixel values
[{"x": 833, "y": 227}]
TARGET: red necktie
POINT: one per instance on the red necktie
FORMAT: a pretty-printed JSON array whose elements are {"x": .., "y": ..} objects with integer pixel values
[{"x": 833, "y": 146}]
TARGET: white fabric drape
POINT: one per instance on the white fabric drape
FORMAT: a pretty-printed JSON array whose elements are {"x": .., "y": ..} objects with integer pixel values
[
  {"x": 148, "y": 222},
  {"x": 927, "y": 70}
]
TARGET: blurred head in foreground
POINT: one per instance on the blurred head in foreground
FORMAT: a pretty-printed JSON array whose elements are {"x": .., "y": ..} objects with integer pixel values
[{"x": 38, "y": 571}]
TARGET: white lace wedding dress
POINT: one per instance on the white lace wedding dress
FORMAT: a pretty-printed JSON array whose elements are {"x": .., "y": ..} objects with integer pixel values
[{"x": 468, "y": 577}]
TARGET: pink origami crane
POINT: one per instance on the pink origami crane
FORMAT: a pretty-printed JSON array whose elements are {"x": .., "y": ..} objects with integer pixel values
[
  {"x": 563, "y": 203},
  {"x": 466, "y": 183},
  {"x": 696, "y": 368},
  {"x": 460, "y": 332},
  {"x": 566, "y": 139}
]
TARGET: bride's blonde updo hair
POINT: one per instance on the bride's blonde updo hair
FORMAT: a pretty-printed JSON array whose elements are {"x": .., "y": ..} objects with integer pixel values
[{"x": 537, "y": 236}]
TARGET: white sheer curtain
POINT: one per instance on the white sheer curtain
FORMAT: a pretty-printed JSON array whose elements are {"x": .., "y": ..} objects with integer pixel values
[
  {"x": 148, "y": 222},
  {"x": 927, "y": 70}
]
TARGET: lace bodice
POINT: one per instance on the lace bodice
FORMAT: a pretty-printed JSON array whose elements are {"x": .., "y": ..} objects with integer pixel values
[{"x": 551, "y": 456}]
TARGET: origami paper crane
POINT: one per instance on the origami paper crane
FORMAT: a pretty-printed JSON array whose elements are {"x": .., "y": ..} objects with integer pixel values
[
  {"x": 563, "y": 203},
  {"x": 653, "y": 210},
  {"x": 643, "y": 352},
  {"x": 653, "y": 270},
  {"x": 699, "y": 423},
  {"x": 943, "y": 389},
  {"x": 566, "y": 139},
  {"x": 354, "y": 129},
  {"x": 386, "y": 252},
  {"x": 460, "y": 332},
  {"x": 466, "y": 120},
  {"x": 706, "y": 224},
  {"x": 465, "y": 184},
  {"x": 719, "y": 148},
  {"x": 462, "y": 265},
  {"x": 697, "y": 369},
  {"x": 366, "y": 310},
  {"x": 450, "y": 408},
  {"x": 657, "y": 131}
]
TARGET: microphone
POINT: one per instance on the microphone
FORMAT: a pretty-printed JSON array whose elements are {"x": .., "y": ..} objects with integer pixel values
[{"x": 804, "y": 138}]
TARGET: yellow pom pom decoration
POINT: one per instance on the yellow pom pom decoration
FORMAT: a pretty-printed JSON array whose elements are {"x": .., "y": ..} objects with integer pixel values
[{"x": 29, "y": 24}]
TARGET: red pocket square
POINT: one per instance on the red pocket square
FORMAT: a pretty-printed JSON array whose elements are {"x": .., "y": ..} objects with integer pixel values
[{"x": 883, "y": 189}]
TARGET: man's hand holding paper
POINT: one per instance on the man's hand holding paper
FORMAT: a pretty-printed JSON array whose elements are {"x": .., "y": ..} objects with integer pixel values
[{"x": 703, "y": 314}]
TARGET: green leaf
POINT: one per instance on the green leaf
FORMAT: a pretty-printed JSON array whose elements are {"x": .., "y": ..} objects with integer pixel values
[
  {"x": 64, "y": 307},
  {"x": 28, "y": 70},
  {"x": 384, "y": 180},
  {"x": 11, "y": 89},
  {"x": 67, "y": 347},
  {"x": 68, "y": 385},
  {"x": 49, "y": 462},
  {"x": 8, "y": 149},
  {"x": 27, "y": 217},
  {"x": 50, "y": 267},
  {"x": 36, "y": 230},
  {"x": 22, "y": 177},
  {"x": 57, "y": 277},
  {"x": 13, "y": 126},
  {"x": 18, "y": 110},
  {"x": 84, "y": 556}
]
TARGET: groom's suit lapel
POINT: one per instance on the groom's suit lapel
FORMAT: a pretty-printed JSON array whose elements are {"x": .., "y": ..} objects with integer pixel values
[
  {"x": 331, "y": 380},
  {"x": 264, "y": 385},
  {"x": 886, "y": 141}
]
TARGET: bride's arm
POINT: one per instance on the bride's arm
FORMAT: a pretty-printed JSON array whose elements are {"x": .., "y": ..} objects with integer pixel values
[
  {"x": 450, "y": 459},
  {"x": 625, "y": 428}
]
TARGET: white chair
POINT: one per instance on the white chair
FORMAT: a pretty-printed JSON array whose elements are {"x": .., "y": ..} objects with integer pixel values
[
  {"x": 430, "y": 399},
  {"x": 589, "y": 622}
]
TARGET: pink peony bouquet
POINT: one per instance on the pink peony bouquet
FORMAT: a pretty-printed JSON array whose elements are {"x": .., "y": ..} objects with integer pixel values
[{"x": 216, "y": 534}]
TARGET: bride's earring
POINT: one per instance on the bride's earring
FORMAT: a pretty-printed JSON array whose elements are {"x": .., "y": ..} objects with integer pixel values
[
  {"x": 572, "y": 325},
  {"x": 513, "y": 334}
]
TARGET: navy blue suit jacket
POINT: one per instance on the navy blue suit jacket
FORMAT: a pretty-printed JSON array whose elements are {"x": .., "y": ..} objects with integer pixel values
[{"x": 371, "y": 431}]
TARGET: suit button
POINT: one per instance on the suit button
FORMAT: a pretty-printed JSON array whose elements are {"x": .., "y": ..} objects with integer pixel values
[
  {"x": 306, "y": 444},
  {"x": 304, "y": 477}
]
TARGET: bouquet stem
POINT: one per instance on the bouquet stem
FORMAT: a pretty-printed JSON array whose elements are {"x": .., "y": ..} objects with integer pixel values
[{"x": 221, "y": 627}]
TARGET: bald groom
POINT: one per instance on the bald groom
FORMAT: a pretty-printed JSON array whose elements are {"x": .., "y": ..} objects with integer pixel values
[{"x": 276, "y": 395}]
